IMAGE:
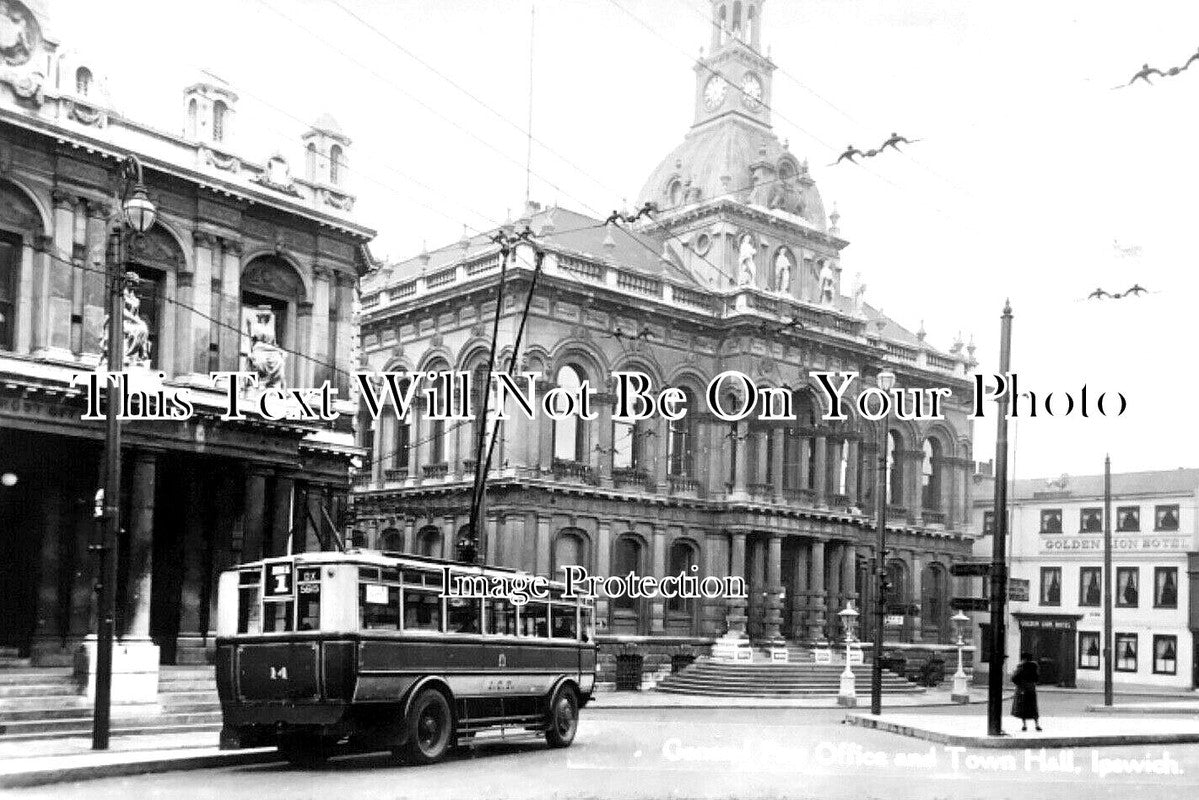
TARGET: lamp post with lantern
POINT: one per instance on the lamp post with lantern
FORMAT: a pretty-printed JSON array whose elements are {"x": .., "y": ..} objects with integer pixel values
[
  {"x": 848, "y": 696},
  {"x": 136, "y": 217},
  {"x": 961, "y": 688},
  {"x": 886, "y": 382}
]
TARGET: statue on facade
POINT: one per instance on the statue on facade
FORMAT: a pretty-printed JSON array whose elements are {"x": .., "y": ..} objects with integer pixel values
[
  {"x": 266, "y": 357},
  {"x": 782, "y": 271},
  {"x": 136, "y": 332},
  {"x": 859, "y": 292},
  {"x": 747, "y": 272},
  {"x": 828, "y": 288}
]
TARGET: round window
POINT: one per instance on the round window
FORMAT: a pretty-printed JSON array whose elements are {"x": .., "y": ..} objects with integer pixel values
[{"x": 703, "y": 243}]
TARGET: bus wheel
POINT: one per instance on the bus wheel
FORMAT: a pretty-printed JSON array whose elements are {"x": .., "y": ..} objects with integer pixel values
[
  {"x": 304, "y": 750},
  {"x": 430, "y": 728},
  {"x": 564, "y": 718}
]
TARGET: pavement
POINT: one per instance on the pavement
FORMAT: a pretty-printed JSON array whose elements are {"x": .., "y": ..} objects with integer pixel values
[
  {"x": 1154, "y": 707},
  {"x": 969, "y": 730},
  {"x": 933, "y": 716}
]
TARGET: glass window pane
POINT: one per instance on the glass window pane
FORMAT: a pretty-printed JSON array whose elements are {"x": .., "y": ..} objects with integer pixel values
[
  {"x": 309, "y": 607},
  {"x": 378, "y": 606},
  {"x": 501, "y": 617},
  {"x": 422, "y": 611},
  {"x": 249, "y": 611},
  {"x": 565, "y": 621},
  {"x": 535, "y": 620},
  {"x": 464, "y": 615},
  {"x": 277, "y": 616}
]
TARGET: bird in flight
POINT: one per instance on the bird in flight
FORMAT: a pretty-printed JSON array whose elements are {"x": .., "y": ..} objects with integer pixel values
[
  {"x": 850, "y": 153},
  {"x": 1098, "y": 294},
  {"x": 894, "y": 141},
  {"x": 1194, "y": 57},
  {"x": 1143, "y": 75},
  {"x": 1137, "y": 289}
]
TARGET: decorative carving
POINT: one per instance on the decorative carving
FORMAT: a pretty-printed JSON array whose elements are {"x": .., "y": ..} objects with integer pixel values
[
  {"x": 266, "y": 357},
  {"x": 747, "y": 271},
  {"x": 134, "y": 328},
  {"x": 220, "y": 160},
  {"x": 63, "y": 198},
  {"x": 274, "y": 276},
  {"x": 277, "y": 176},
  {"x": 26, "y": 86},
  {"x": 155, "y": 247},
  {"x": 342, "y": 202},
  {"x": 828, "y": 289},
  {"x": 19, "y": 33},
  {"x": 17, "y": 212},
  {"x": 86, "y": 114}
]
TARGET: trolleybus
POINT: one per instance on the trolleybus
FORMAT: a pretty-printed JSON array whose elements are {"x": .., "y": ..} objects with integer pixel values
[{"x": 366, "y": 649}]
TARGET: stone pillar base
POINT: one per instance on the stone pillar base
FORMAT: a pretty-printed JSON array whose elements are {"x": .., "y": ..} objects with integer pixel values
[
  {"x": 195, "y": 649},
  {"x": 732, "y": 647},
  {"x": 51, "y": 651},
  {"x": 134, "y": 670}
]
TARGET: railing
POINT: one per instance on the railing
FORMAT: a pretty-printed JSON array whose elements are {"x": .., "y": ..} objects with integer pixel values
[
  {"x": 933, "y": 517},
  {"x": 840, "y": 500},
  {"x": 562, "y": 468},
  {"x": 626, "y": 476},
  {"x": 760, "y": 489},
  {"x": 441, "y": 278},
  {"x": 807, "y": 496},
  {"x": 403, "y": 290},
  {"x": 584, "y": 269},
  {"x": 638, "y": 283},
  {"x": 396, "y": 474},
  {"x": 482, "y": 265},
  {"x": 940, "y": 362},
  {"x": 362, "y": 480},
  {"x": 370, "y": 300},
  {"x": 900, "y": 352},
  {"x": 690, "y": 297},
  {"x": 436, "y": 470},
  {"x": 678, "y": 484},
  {"x": 896, "y": 512}
]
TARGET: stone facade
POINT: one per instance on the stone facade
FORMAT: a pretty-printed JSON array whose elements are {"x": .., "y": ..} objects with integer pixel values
[
  {"x": 730, "y": 274},
  {"x": 231, "y": 235}
]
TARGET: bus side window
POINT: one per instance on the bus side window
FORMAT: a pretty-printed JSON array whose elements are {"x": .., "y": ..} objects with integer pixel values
[
  {"x": 501, "y": 617},
  {"x": 587, "y": 633},
  {"x": 535, "y": 619},
  {"x": 422, "y": 610},
  {"x": 249, "y": 601},
  {"x": 565, "y": 621},
  {"x": 465, "y": 615}
]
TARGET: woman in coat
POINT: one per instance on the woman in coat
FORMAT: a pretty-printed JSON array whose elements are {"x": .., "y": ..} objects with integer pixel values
[{"x": 1024, "y": 704}]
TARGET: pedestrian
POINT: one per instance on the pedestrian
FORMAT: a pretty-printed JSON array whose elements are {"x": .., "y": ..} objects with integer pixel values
[{"x": 1024, "y": 704}]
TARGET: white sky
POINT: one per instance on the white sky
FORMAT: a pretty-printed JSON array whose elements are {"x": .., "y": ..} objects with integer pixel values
[{"x": 1030, "y": 166}]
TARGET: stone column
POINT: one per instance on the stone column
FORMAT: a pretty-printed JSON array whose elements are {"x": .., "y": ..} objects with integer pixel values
[
  {"x": 806, "y": 446},
  {"x": 836, "y": 552},
  {"x": 545, "y": 431},
  {"x": 740, "y": 445},
  {"x": 603, "y": 566},
  {"x": 917, "y": 596},
  {"x": 816, "y": 587},
  {"x": 774, "y": 586},
  {"x": 776, "y": 462},
  {"x": 62, "y": 277},
  {"x": 94, "y": 295},
  {"x": 543, "y": 546},
  {"x": 343, "y": 340},
  {"x": 301, "y": 369},
  {"x": 851, "y": 474},
  {"x": 821, "y": 455},
  {"x": 449, "y": 538},
  {"x": 201, "y": 300},
  {"x": 912, "y": 464},
  {"x": 193, "y": 593},
  {"x": 849, "y": 575},
  {"x": 757, "y": 587},
  {"x": 255, "y": 514},
  {"x": 715, "y": 563},
  {"x": 800, "y": 598},
  {"x": 601, "y": 456},
  {"x": 141, "y": 546},
  {"x": 230, "y": 300},
  {"x": 49, "y": 632},
  {"x": 736, "y": 617},
  {"x": 657, "y": 606}
]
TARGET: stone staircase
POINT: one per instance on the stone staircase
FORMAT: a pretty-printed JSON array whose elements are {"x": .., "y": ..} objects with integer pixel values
[
  {"x": 44, "y": 702},
  {"x": 799, "y": 676}
]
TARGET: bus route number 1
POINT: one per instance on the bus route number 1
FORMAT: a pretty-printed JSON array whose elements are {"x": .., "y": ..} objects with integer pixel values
[{"x": 279, "y": 582}]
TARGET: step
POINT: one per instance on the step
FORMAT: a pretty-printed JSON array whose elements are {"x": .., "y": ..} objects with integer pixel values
[
  {"x": 37, "y": 690},
  {"x": 25, "y": 675},
  {"x": 150, "y": 723}
]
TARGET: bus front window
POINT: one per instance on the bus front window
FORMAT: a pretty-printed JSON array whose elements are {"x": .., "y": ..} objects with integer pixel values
[{"x": 249, "y": 601}]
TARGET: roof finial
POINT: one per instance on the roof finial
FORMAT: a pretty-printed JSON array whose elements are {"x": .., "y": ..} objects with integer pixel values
[
  {"x": 835, "y": 219},
  {"x": 920, "y": 334}
]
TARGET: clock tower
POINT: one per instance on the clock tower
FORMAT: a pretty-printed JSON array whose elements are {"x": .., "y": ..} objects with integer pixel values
[{"x": 734, "y": 78}]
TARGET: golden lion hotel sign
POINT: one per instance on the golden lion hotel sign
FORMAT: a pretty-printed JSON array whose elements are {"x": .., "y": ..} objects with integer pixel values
[{"x": 1120, "y": 544}]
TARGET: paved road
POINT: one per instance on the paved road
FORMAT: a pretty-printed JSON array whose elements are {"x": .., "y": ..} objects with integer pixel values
[{"x": 728, "y": 753}]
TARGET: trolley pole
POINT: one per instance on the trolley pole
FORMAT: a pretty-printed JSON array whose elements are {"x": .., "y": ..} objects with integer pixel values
[
  {"x": 111, "y": 509},
  {"x": 1107, "y": 580},
  {"x": 999, "y": 544}
]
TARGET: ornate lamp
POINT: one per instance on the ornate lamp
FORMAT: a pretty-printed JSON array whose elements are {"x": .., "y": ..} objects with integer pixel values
[
  {"x": 847, "y": 696},
  {"x": 138, "y": 209},
  {"x": 961, "y": 690}
]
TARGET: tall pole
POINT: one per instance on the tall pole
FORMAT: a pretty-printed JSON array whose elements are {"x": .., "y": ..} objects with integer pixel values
[
  {"x": 111, "y": 512},
  {"x": 1107, "y": 580},
  {"x": 880, "y": 570},
  {"x": 999, "y": 542}
]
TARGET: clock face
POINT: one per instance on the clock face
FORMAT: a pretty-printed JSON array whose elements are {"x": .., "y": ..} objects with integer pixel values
[
  {"x": 714, "y": 92},
  {"x": 751, "y": 89}
]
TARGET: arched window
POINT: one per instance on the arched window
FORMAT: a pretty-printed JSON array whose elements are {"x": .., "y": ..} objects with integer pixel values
[
  {"x": 680, "y": 449},
  {"x": 750, "y": 20},
  {"x": 897, "y": 593},
  {"x": 682, "y": 557},
  {"x": 428, "y": 541},
  {"x": 930, "y": 475},
  {"x": 841, "y": 476},
  {"x": 271, "y": 294},
  {"x": 219, "y": 110},
  {"x": 569, "y": 551},
  {"x": 437, "y": 441},
  {"x": 894, "y": 469},
  {"x": 723, "y": 23},
  {"x": 402, "y": 445},
  {"x": 335, "y": 164},
  {"x": 392, "y": 540},
  {"x": 626, "y": 558},
  {"x": 676, "y": 193},
  {"x": 569, "y": 432},
  {"x": 737, "y": 19},
  {"x": 83, "y": 81},
  {"x": 192, "y": 118}
]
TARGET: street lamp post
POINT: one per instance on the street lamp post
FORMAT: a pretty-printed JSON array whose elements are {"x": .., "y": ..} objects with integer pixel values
[
  {"x": 137, "y": 215},
  {"x": 848, "y": 695},
  {"x": 961, "y": 688},
  {"x": 886, "y": 382}
]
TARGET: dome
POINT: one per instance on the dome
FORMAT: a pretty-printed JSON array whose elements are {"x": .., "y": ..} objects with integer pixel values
[
  {"x": 325, "y": 123},
  {"x": 738, "y": 160}
]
